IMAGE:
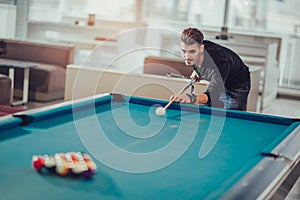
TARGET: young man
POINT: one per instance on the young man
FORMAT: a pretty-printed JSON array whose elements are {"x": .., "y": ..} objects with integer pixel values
[{"x": 228, "y": 75}]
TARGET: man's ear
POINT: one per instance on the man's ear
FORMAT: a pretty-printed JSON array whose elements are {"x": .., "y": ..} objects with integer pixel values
[{"x": 202, "y": 48}]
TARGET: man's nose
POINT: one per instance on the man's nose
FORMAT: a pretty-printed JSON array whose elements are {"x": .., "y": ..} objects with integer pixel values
[{"x": 187, "y": 56}]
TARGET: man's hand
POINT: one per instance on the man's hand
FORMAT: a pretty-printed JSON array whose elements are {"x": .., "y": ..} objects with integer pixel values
[
  {"x": 194, "y": 75},
  {"x": 200, "y": 99},
  {"x": 180, "y": 98}
]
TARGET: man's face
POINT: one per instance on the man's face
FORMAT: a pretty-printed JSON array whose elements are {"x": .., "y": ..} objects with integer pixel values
[{"x": 192, "y": 53}]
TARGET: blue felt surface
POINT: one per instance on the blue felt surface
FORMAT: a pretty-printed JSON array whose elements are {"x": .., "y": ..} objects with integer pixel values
[
  {"x": 8, "y": 122},
  {"x": 135, "y": 128}
]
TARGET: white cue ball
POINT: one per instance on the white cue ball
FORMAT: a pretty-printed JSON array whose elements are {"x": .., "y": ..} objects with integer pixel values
[{"x": 160, "y": 111}]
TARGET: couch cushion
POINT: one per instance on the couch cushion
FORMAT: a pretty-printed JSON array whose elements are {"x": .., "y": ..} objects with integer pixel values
[{"x": 4, "y": 77}]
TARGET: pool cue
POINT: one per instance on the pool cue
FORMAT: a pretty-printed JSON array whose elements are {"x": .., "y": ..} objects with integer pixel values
[{"x": 181, "y": 91}]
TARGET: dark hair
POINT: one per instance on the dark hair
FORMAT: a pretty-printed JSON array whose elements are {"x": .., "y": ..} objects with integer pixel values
[{"x": 191, "y": 36}]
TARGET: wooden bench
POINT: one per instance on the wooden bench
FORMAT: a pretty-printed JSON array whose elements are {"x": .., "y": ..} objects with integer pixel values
[{"x": 83, "y": 81}]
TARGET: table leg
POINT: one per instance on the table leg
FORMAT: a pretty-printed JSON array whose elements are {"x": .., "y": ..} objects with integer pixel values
[
  {"x": 11, "y": 75},
  {"x": 26, "y": 85},
  {"x": 25, "y": 89}
]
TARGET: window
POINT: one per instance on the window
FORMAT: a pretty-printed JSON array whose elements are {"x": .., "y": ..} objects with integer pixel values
[
  {"x": 261, "y": 15},
  {"x": 265, "y": 15},
  {"x": 12, "y": 2},
  {"x": 201, "y": 12},
  {"x": 60, "y": 10}
]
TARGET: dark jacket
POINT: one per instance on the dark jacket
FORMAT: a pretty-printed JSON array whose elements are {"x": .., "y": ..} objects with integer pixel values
[{"x": 224, "y": 69}]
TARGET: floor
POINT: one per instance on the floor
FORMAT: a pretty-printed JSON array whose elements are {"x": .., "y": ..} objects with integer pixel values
[
  {"x": 38, "y": 104},
  {"x": 284, "y": 107}
]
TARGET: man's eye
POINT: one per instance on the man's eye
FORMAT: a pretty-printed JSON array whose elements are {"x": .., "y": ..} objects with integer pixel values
[{"x": 192, "y": 51}]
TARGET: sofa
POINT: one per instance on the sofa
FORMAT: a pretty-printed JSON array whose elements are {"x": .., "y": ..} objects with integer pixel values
[
  {"x": 47, "y": 80},
  {"x": 5, "y": 89}
]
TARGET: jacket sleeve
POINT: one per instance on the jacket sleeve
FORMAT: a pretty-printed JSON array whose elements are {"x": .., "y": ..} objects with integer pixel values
[
  {"x": 214, "y": 90},
  {"x": 216, "y": 82}
]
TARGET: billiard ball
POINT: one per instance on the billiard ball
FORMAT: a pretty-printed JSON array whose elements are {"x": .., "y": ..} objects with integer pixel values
[
  {"x": 76, "y": 166},
  {"x": 66, "y": 164},
  {"x": 160, "y": 111},
  {"x": 62, "y": 167},
  {"x": 38, "y": 162},
  {"x": 49, "y": 163},
  {"x": 90, "y": 164}
]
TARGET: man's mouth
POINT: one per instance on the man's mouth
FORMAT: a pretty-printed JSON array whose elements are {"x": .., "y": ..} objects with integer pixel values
[{"x": 189, "y": 62}]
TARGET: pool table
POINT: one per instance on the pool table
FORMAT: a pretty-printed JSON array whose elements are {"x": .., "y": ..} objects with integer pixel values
[{"x": 193, "y": 152}]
